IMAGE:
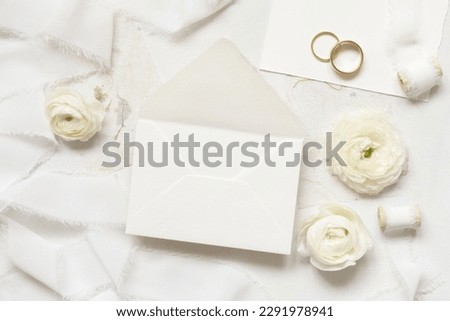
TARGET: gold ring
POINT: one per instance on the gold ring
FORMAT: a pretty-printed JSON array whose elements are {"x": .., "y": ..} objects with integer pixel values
[
  {"x": 335, "y": 53},
  {"x": 313, "y": 41}
]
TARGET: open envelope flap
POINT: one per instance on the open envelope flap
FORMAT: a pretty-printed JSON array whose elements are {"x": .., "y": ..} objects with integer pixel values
[
  {"x": 237, "y": 211},
  {"x": 222, "y": 89}
]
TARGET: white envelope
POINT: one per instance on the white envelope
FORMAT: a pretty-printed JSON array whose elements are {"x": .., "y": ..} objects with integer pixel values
[{"x": 219, "y": 97}]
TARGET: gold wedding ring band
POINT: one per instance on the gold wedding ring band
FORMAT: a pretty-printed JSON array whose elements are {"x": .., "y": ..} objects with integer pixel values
[
  {"x": 313, "y": 42},
  {"x": 334, "y": 53}
]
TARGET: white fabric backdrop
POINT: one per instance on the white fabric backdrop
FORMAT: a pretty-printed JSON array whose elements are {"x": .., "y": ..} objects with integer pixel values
[{"x": 62, "y": 227}]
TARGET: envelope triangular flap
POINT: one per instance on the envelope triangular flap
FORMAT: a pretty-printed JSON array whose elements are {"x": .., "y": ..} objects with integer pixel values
[{"x": 222, "y": 89}]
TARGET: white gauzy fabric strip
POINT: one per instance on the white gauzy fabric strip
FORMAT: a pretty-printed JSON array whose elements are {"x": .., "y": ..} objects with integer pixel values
[
  {"x": 159, "y": 275},
  {"x": 22, "y": 17},
  {"x": 418, "y": 71},
  {"x": 106, "y": 242},
  {"x": 173, "y": 15},
  {"x": 85, "y": 29},
  {"x": 419, "y": 276},
  {"x": 70, "y": 199},
  {"x": 16, "y": 285},
  {"x": 24, "y": 130},
  {"x": 24, "y": 115},
  {"x": 73, "y": 270},
  {"x": 79, "y": 27},
  {"x": 28, "y": 154},
  {"x": 32, "y": 63}
]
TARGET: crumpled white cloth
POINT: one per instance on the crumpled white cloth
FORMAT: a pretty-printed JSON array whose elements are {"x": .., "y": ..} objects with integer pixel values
[
  {"x": 22, "y": 17},
  {"x": 97, "y": 263},
  {"x": 29, "y": 153},
  {"x": 24, "y": 130},
  {"x": 83, "y": 28},
  {"x": 36, "y": 194},
  {"x": 173, "y": 15},
  {"x": 29, "y": 64},
  {"x": 41, "y": 35},
  {"x": 45, "y": 42},
  {"x": 71, "y": 270},
  {"x": 22, "y": 115}
]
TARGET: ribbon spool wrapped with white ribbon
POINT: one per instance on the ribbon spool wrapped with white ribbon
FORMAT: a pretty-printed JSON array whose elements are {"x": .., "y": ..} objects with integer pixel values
[
  {"x": 398, "y": 218},
  {"x": 420, "y": 77}
]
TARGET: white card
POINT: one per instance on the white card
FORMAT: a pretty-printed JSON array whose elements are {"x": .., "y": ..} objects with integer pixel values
[
  {"x": 222, "y": 98},
  {"x": 293, "y": 24}
]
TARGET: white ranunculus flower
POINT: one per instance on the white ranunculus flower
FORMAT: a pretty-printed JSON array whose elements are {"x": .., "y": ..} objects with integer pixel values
[
  {"x": 374, "y": 154},
  {"x": 334, "y": 239},
  {"x": 71, "y": 117}
]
